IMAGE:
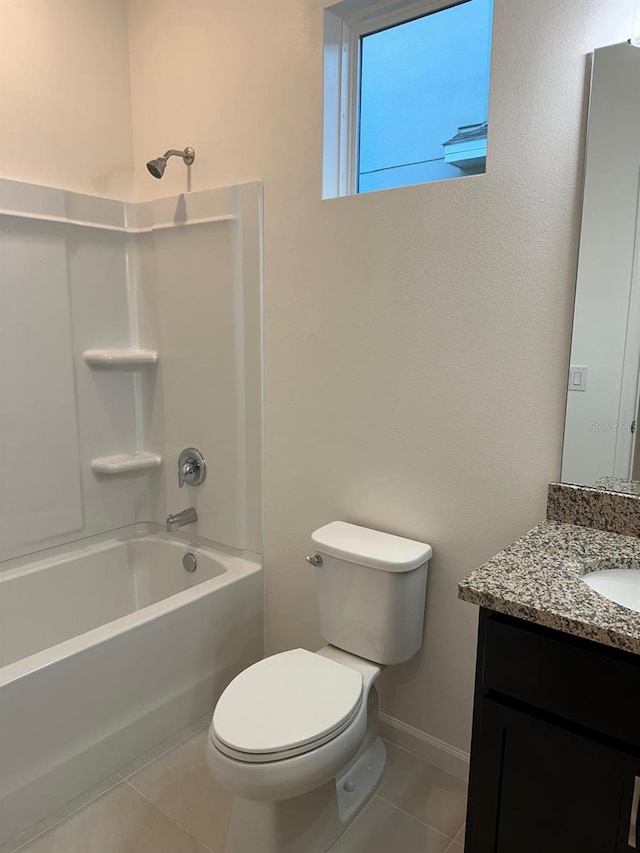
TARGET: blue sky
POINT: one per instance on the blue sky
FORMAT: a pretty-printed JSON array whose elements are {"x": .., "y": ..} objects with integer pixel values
[{"x": 420, "y": 82}]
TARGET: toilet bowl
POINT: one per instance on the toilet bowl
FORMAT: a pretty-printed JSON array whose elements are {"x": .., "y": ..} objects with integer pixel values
[
  {"x": 291, "y": 722},
  {"x": 294, "y": 737}
]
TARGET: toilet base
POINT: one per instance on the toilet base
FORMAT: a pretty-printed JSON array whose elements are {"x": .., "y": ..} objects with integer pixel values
[
  {"x": 357, "y": 784},
  {"x": 313, "y": 822}
]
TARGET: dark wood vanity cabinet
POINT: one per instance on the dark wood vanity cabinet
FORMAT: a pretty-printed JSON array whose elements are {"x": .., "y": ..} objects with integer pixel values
[{"x": 555, "y": 755}]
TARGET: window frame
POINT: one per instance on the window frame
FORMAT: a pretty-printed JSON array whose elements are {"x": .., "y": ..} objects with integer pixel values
[{"x": 345, "y": 25}]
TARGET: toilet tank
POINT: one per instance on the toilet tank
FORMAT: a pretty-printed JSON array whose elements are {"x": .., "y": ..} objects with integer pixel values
[{"x": 371, "y": 591}]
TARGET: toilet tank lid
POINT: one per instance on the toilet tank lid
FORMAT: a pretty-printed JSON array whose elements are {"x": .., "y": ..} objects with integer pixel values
[{"x": 370, "y": 548}]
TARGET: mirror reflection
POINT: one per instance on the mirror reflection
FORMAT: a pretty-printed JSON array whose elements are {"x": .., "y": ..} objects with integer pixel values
[{"x": 601, "y": 444}]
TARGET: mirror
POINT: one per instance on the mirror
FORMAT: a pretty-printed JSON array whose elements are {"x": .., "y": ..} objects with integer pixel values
[{"x": 601, "y": 439}]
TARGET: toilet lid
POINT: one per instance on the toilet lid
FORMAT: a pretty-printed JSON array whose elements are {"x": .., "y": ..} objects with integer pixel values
[{"x": 286, "y": 701}]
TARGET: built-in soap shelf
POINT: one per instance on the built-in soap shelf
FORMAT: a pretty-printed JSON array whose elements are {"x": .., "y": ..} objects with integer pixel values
[
  {"x": 120, "y": 358},
  {"x": 126, "y": 358},
  {"x": 123, "y": 463}
]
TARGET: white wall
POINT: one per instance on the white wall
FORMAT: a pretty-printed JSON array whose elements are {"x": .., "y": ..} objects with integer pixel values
[
  {"x": 596, "y": 423},
  {"x": 65, "y": 111},
  {"x": 416, "y": 340}
]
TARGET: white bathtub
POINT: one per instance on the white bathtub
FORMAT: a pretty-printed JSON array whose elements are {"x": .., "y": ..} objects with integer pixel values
[{"x": 108, "y": 649}]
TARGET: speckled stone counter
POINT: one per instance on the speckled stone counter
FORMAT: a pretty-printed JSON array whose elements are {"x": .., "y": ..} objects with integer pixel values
[
  {"x": 538, "y": 579},
  {"x": 591, "y": 507}
]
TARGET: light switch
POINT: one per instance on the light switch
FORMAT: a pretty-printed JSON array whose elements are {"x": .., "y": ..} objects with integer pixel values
[{"x": 578, "y": 377}]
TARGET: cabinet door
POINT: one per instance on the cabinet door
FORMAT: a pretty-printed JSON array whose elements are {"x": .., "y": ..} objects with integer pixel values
[{"x": 538, "y": 788}]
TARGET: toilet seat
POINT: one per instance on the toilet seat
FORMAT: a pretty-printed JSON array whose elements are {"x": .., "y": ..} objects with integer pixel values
[{"x": 285, "y": 705}]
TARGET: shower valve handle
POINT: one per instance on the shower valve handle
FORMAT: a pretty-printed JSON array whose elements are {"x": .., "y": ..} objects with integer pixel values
[
  {"x": 192, "y": 468},
  {"x": 189, "y": 470}
]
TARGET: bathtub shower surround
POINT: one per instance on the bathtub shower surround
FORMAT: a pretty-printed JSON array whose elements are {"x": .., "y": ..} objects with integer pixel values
[
  {"x": 108, "y": 649},
  {"x": 128, "y": 331}
]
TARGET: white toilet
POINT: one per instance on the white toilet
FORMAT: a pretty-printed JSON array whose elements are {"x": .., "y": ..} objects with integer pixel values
[{"x": 294, "y": 737}]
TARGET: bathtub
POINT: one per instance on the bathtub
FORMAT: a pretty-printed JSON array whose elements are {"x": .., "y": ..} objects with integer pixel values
[{"x": 107, "y": 649}]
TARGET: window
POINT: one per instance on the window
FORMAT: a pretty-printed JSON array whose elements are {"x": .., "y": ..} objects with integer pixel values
[{"x": 406, "y": 93}]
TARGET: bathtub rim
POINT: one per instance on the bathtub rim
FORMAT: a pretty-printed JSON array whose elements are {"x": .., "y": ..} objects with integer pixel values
[
  {"x": 236, "y": 564},
  {"x": 125, "y": 533}
]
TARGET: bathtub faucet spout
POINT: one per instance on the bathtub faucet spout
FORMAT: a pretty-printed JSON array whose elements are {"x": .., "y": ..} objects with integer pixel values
[{"x": 187, "y": 516}]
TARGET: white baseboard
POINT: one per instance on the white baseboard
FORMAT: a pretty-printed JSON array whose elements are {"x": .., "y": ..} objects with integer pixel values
[{"x": 443, "y": 755}]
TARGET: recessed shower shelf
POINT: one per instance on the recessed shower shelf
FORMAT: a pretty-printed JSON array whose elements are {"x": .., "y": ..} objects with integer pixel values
[
  {"x": 123, "y": 463},
  {"x": 120, "y": 358}
]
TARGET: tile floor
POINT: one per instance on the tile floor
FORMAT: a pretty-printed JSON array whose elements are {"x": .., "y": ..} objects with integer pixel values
[{"x": 171, "y": 805}]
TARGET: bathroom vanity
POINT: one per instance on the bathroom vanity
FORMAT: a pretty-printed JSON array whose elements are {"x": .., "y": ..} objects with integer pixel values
[
  {"x": 555, "y": 756},
  {"x": 556, "y": 743}
]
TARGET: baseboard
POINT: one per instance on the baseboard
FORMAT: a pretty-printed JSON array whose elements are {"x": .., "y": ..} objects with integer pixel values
[{"x": 443, "y": 755}]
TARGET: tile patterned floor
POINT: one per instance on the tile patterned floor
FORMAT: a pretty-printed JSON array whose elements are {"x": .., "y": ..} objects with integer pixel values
[{"x": 171, "y": 805}]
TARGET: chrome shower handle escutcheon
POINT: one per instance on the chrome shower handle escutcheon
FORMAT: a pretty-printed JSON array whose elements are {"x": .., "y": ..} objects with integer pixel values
[{"x": 192, "y": 468}]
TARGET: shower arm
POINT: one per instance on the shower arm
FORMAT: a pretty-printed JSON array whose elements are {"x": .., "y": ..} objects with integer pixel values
[{"x": 187, "y": 155}]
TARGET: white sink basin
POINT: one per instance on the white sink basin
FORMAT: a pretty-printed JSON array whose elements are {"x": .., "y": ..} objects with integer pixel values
[{"x": 619, "y": 585}]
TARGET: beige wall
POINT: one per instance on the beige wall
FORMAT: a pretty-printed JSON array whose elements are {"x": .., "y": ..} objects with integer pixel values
[
  {"x": 416, "y": 340},
  {"x": 65, "y": 112}
]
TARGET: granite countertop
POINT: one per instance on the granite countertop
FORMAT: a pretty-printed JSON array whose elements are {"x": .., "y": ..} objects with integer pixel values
[{"x": 538, "y": 579}]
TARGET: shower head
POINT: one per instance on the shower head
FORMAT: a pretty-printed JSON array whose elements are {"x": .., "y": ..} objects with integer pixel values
[{"x": 157, "y": 166}]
